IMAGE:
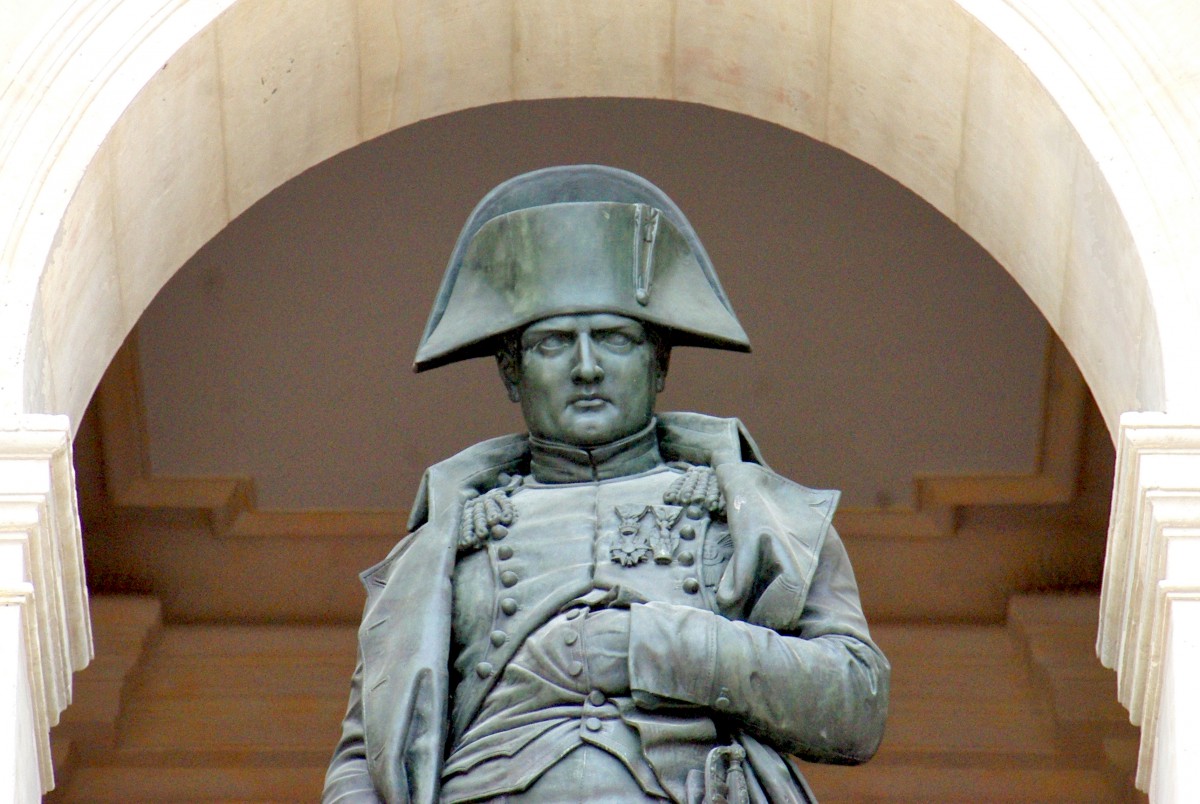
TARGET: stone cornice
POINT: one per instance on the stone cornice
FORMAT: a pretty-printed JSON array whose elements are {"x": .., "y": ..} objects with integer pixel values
[
  {"x": 1152, "y": 564},
  {"x": 41, "y": 565},
  {"x": 227, "y": 505}
]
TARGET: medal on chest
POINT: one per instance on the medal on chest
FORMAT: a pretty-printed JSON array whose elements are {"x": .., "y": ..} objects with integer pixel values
[{"x": 644, "y": 531}]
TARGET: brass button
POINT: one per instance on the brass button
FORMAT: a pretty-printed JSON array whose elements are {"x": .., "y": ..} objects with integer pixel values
[
  {"x": 576, "y": 668},
  {"x": 484, "y": 669},
  {"x": 687, "y": 533},
  {"x": 573, "y": 613},
  {"x": 691, "y": 586},
  {"x": 508, "y": 578},
  {"x": 596, "y": 698},
  {"x": 499, "y": 638},
  {"x": 504, "y": 551},
  {"x": 592, "y": 724},
  {"x": 687, "y": 558},
  {"x": 499, "y": 532},
  {"x": 509, "y": 606},
  {"x": 570, "y": 637},
  {"x": 694, "y": 511},
  {"x": 723, "y": 703}
]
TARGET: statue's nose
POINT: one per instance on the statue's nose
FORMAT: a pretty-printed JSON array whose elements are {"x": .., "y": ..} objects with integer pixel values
[{"x": 586, "y": 369}]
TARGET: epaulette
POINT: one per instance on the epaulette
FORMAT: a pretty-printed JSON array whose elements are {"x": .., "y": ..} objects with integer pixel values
[
  {"x": 488, "y": 515},
  {"x": 697, "y": 486}
]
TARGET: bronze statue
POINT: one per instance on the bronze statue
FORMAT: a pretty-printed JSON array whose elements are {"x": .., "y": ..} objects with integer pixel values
[{"x": 616, "y": 606}]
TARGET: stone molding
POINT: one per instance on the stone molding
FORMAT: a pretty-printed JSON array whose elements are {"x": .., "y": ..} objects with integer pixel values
[
  {"x": 1053, "y": 480},
  {"x": 41, "y": 566},
  {"x": 1103, "y": 192},
  {"x": 227, "y": 505},
  {"x": 1152, "y": 566},
  {"x": 61, "y": 94}
]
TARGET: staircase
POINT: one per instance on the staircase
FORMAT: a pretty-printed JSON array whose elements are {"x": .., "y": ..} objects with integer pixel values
[
  {"x": 1016, "y": 713},
  {"x": 221, "y": 713},
  {"x": 87, "y": 731}
]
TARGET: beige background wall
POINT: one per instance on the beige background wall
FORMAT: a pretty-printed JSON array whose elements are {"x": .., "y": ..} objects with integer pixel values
[{"x": 887, "y": 343}]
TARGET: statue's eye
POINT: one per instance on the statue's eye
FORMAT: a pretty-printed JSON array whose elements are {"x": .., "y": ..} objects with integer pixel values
[
  {"x": 616, "y": 339},
  {"x": 552, "y": 342}
]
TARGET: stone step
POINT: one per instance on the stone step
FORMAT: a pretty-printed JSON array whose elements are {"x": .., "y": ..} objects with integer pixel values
[
  {"x": 241, "y": 676},
  {"x": 207, "y": 641},
  {"x": 1058, "y": 636},
  {"x": 941, "y": 785},
  {"x": 960, "y": 690},
  {"x": 210, "y": 784},
  {"x": 268, "y": 723},
  {"x": 251, "y": 713},
  {"x": 226, "y": 694},
  {"x": 122, "y": 628}
]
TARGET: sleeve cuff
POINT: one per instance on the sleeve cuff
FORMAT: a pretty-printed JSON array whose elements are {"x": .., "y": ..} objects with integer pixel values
[{"x": 672, "y": 654}]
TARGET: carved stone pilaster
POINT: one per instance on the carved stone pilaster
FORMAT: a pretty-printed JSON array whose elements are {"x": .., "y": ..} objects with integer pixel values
[
  {"x": 1149, "y": 628},
  {"x": 46, "y": 632}
]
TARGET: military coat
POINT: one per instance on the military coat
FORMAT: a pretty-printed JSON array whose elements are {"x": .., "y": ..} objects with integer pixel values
[{"x": 783, "y": 660}]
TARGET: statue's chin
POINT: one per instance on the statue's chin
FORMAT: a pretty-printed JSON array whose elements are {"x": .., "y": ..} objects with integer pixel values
[{"x": 593, "y": 425}]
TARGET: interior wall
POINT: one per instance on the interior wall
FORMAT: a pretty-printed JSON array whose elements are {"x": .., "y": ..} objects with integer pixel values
[{"x": 887, "y": 343}]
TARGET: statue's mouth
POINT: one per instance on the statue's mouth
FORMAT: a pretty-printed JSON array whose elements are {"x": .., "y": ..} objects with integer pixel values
[{"x": 588, "y": 402}]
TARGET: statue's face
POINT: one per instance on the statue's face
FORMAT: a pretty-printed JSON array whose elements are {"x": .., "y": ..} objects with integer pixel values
[{"x": 586, "y": 379}]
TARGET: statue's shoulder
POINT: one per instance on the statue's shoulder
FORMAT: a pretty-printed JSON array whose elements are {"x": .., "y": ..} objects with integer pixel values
[
  {"x": 483, "y": 457},
  {"x": 784, "y": 488},
  {"x": 699, "y": 439},
  {"x": 474, "y": 470}
]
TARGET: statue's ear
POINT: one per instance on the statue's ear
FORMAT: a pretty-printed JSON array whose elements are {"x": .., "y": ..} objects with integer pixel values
[{"x": 510, "y": 373}]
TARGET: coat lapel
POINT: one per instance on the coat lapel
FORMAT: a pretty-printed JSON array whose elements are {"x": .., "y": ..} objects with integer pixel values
[{"x": 405, "y": 633}]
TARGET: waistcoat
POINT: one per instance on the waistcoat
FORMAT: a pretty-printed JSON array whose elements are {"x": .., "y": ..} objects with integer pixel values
[{"x": 567, "y": 541}]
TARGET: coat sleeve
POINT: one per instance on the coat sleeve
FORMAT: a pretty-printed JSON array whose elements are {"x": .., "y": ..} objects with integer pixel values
[
  {"x": 819, "y": 691},
  {"x": 348, "y": 781}
]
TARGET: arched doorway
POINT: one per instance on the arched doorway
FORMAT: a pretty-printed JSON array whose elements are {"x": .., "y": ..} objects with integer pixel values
[{"x": 150, "y": 136}]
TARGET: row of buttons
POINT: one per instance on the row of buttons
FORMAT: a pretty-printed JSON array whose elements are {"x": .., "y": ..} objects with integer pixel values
[
  {"x": 687, "y": 558},
  {"x": 509, "y": 579},
  {"x": 595, "y": 698},
  {"x": 508, "y": 605},
  {"x": 571, "y": 636}
]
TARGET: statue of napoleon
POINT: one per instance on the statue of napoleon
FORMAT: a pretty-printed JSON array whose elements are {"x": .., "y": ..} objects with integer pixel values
[{"x": 616, "y": 606}]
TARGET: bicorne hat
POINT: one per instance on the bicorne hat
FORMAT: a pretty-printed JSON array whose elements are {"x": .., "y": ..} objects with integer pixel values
[{"x": 576, "y": 239}]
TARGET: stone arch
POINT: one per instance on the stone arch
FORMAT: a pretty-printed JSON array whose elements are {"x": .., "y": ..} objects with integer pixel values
[
  {"x": 197, "y": 114},
  {"x": 1061, "y": 137}
]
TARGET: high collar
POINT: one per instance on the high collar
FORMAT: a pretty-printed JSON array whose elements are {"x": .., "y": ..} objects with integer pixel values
[{"x": 555, "y": 462}]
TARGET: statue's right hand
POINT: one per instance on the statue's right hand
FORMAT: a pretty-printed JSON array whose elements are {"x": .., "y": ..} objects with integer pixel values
[
  {"x": 606, "y": 645},
  {"x": 616, "y": 597}
]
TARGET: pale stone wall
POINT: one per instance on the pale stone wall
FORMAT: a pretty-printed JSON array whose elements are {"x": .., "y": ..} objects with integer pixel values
[
  {"x": 976, "y": 106},
  {"x": 1060, "y": 136}
]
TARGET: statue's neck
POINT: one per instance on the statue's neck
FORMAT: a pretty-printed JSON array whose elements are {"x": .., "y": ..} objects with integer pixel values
[{"x": 554, "y": 462}]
